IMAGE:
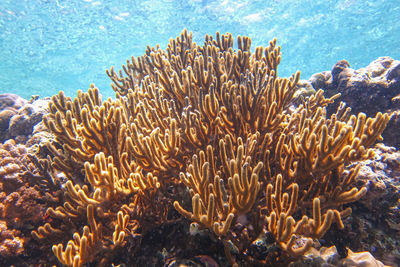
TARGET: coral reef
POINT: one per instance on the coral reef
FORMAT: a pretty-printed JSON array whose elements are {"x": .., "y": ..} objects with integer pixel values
[
  {"x": 208, "y": 133},
  {"x": 19, "y": 116},
  {"x": 11, "y": 161},
  {"x": 330, "y": 257},
  {"x": 27, "y": 117},
  {"x": 375, "y": 223},
  {"x": 11, "y": 244},
  {"x": 9, "y": 105},
  {"x": 373, "y": 89},
  {"x": 22, "y": 203}
]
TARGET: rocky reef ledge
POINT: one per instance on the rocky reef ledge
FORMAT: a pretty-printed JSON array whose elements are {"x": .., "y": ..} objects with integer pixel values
[{"x": 372, "y": 89}]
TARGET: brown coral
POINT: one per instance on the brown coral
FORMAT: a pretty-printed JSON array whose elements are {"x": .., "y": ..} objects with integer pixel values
[
  {"x": 218, "y": 121},
  {"x": 22, "y": 202},
  {"x": 11, "y": 243}
]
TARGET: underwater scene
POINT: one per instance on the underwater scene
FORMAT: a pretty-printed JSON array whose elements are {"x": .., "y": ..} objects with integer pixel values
[{"x": 200, "y": 133}]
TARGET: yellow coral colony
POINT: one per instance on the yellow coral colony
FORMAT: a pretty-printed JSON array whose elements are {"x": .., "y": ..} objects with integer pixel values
[{"x": 219, "y": 121}]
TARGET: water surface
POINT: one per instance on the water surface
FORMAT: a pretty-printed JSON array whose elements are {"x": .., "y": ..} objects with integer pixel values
[{"x": 50, "y": 45}]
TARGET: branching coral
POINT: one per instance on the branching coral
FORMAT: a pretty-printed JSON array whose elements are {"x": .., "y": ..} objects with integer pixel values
[
  {"x": 218, "y": 121},
  {"x": 213, "y": 205}
]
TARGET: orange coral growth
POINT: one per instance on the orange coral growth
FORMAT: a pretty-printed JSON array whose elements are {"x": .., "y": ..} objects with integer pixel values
[{"x": 217, "y": 121}]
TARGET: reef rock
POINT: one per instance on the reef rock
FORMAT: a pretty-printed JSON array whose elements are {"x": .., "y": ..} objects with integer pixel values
[
  {"x": 5, "y": 116},
  {"x": 375, "y": 88},
  {"x": 329, "y": 257},
  {"x": 11, "y": 101},
  {"x": 9, "y": 105},
  {"x": 19, "y": 116},
  {"x": 11, "y": 244},
  {"x": 27, "y": 117},
  {"x": 375, "y": 222}
]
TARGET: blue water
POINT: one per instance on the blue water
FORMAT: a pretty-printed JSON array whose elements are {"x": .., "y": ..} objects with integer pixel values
[{"x": 52, "y": 45}]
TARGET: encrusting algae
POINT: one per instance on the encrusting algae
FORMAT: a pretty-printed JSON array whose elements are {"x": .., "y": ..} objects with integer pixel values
[{"x": 217, "y": 121}]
